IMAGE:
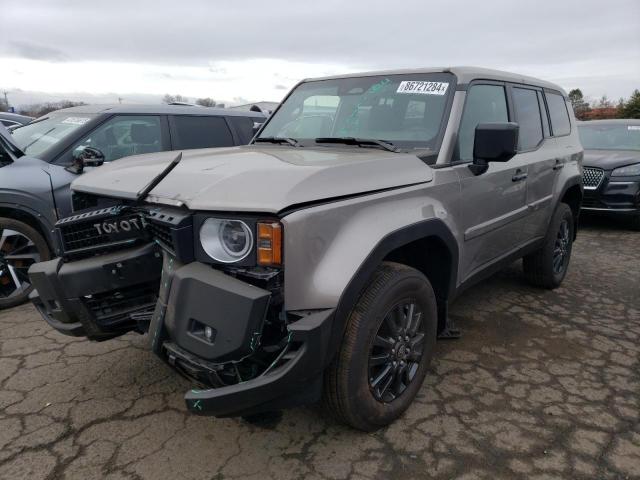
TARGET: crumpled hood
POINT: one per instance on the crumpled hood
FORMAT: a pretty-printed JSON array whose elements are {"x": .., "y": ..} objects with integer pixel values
[
  {"x": 610, "y": 159},
  {"x": 256, "y": 178}
]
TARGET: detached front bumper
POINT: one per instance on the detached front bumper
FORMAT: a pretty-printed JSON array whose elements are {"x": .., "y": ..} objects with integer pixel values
[
  {"x": 296, "y": 380},
  {"x": 98, "y": 297},
  {"x": 208, "y": 325},
  {"x": 195, "y": 298}
]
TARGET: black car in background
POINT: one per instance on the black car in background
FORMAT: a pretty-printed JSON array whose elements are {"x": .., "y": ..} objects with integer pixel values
[
  {"x": 41, "y": 159},
  {"x": 13, "y": 120},
  {"x": 611, "y": 165}
]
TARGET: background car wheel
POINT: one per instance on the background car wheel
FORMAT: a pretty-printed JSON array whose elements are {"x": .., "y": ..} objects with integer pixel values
[
  {"x": 386, "y": 350},
  {"x": 548, "y": 266},
  {"x": 20, "y": 247}
]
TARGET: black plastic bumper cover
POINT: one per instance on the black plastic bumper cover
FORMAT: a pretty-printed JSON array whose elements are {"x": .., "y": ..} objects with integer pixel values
[
  {"x": 235, "y": 310},
  {"x": 297, "y": 381},
  {"x": 202, "y": 297},
  {"x": 616, "y": 196},
  {"x": 61, "y": 288}
]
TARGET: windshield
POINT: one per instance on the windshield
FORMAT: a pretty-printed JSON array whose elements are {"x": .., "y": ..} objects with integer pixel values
[
  {"x": 610, "y": 137},
  {"x": 35, "y": 138},
  {"x": 404, "y": 110}
]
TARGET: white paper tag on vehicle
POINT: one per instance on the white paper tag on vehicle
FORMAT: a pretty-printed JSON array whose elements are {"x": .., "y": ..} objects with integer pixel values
[
  {"x": 76, "y": 120},
  {"x": 422, "y": 88},
  {"x": 633, "y": 127}
]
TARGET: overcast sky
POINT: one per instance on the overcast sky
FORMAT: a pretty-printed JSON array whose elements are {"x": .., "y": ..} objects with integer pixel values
[{"x": 257, "y": 50}]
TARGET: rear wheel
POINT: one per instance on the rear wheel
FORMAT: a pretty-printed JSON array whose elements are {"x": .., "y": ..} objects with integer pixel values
[
  {"x": 387, "y": 347},
  {"x": 20, "y": 247},
  {"x": 548, "y": 266}
]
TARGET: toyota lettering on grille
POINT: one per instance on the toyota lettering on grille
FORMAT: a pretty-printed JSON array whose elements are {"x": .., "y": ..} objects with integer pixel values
[{"x": 117, "y": 226}]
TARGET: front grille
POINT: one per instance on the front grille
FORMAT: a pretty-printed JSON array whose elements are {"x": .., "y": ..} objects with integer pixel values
[
  {"x": 99, "y": 232},
  {"x": 123, "y": 306},
  {"x": 592, "y": 177},
  {"x": 115, "y": 228},
  {"x": 162, "y": 235}
]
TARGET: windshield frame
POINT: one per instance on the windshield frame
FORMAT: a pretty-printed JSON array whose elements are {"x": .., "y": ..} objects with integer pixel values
[
  {"x": 623, "y": 125},
  {"x": 439, "y": 76},
  {"x": 51, "y": 154}
]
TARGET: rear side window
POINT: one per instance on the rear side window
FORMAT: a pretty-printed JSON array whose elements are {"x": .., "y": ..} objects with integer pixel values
[
  {"x": 485, "y": 103},
  {"x": 560, "y": 123},
  {"x": 200, "y": 132},
  {"x": 528, "y": 117},
  {"x": 244, "y": 128}
]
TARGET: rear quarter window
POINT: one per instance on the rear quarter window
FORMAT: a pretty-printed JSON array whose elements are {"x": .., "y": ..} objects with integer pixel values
[
  {"x": 244, "y": 128},
  {"x": 192, "y": 131},
  {"x": 560, "y": 124}
]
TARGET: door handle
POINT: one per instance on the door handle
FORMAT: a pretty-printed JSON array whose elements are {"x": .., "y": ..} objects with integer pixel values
[
  {"x": 559, "y": 164},
  {"x": 519, "y": 176}
]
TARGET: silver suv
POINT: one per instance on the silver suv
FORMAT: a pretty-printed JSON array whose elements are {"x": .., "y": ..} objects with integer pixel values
[{"x": 320, "y": 260}]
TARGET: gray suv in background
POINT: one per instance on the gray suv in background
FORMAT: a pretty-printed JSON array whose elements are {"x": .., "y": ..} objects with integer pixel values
[
  {"x": 52, "y": 151},
  {"x": 320, "y": 260}
]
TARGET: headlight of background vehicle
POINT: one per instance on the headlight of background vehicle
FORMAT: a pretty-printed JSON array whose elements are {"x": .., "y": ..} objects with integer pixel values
[
  {"x": 226, "y": 241},
  {"x": 628, "y": 171}
]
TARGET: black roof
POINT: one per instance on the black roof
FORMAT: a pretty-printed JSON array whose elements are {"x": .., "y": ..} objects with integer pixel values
[{"x": 159, "y": 110}]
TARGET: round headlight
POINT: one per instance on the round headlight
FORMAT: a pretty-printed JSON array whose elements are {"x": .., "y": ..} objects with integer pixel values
[{"x": 226, "y": 241}]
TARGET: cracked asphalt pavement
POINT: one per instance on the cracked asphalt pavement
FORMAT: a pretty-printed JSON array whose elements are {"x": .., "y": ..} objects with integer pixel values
[{"x": 543, "y": 384}]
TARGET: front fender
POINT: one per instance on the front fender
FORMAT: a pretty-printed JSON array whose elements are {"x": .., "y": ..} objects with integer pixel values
[
  {"x": 26, "y": 190},
  {"x": 331, "y": 250},
  {"x": 327, "y": 244}
]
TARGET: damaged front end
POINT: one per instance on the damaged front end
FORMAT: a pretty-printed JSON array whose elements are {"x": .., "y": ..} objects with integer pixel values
[{"x": 141, "y": 268}]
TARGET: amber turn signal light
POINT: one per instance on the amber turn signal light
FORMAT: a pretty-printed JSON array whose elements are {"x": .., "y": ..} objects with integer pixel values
[{"x": 269, "y": 244}]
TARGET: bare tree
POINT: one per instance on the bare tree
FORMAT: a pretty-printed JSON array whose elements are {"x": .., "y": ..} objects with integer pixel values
[
  {"x": 39, "y": 109},
  {"x": 604, "y": 102},
  {"x": 174, "y": 98},
  {"x": 206, "y": 102}
]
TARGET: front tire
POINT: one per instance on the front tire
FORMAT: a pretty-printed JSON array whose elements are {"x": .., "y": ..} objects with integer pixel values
[
  {"x": 387, "y": 347},
  {"x": 548, "y": 266},
  {"x": 20, "y": 247}
]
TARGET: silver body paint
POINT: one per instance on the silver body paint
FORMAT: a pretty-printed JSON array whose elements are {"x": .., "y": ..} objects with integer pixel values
[{"x": 337, "y": 204}]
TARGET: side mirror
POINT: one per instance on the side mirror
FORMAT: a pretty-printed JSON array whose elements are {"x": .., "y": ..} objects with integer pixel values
[
  {"x": 257, "y": 126},
  {"x": 493, "y": 142},
  {"x": 85, "y": 157}
]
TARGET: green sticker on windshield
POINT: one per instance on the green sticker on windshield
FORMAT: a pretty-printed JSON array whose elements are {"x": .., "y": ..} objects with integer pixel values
[{"x": 353, "y": 120}]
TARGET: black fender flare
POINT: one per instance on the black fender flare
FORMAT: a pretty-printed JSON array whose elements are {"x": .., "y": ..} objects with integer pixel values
[
  {"x": 570, "y": 183},
  {"x": 46, "y": 226},
  {"x": 427, "y": 228}
]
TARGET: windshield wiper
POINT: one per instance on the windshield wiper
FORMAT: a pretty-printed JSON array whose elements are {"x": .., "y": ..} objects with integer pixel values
[
  {"x": 291, "y": 141},
  {"x": 360, "y": 141}
]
